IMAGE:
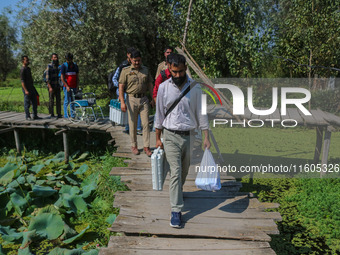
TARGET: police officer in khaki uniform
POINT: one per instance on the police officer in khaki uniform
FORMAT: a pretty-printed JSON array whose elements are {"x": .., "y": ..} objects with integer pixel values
[
  {"x": 162, "y": 66},
  {"x": 135, "y": 80}
]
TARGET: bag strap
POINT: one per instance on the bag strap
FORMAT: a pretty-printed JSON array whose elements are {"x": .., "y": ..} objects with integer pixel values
[
  {"x": 163, "y": 74},
  {"x": 179, "y": 98}
]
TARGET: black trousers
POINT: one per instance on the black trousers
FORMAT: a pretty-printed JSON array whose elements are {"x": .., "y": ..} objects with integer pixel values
[
  {"x": 55, "y": 93},
  {"x": 28, "y": 99}
]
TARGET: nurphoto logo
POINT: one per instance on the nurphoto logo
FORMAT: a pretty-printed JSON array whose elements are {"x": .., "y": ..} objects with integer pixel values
[{"x": 239, "y": 106}]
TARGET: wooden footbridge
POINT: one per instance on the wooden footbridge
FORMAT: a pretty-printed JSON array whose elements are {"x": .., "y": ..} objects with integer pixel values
[
  {"x": 14, "y": 121},
  {"x": 223, "y": 222}
]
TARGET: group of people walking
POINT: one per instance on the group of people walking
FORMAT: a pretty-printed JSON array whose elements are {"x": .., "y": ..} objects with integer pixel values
[
  {"x": 65, "y": 76},
  {"x": 176, "y": 96},
  {"x": 178, "y": 113}
]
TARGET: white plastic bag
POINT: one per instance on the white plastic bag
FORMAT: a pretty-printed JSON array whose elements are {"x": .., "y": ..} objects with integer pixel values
[
  {"x": 157, "y": 159},
  {"x": 208, "y": 177}
]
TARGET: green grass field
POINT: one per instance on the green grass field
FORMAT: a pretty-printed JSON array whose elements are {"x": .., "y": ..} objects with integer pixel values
[
  {"x": 247, "y": 146},
  {"x": 12, "y": 98},
  {"x": 309, "y": 206}
]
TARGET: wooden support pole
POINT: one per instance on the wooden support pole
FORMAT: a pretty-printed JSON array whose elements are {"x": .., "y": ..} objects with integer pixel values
[
  {"x": 17, "y": 140},
  {"x": 43, "y": 136},
  {"x": 318, "y": 146},
  {"x": 326, "y": 144},
  {"x": 66, "y": 151}
]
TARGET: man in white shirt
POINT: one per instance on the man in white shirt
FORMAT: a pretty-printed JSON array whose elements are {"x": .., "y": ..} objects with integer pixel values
[{"x": 185, "y": 117}]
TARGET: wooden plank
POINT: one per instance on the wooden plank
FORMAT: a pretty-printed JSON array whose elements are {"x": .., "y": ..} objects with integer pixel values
[
  {"x": 142, "y": 157},
  {"x": 309, "y": 119},
  {"x": 106, "y": 126},
  {"x": 142, "y": 160},
  {"x": 14, "y": 118},
  {"x": 7, "y": 115},
  {"x": 183, "y": 244},
  {"x": 147, "y": 176},
  {"x": 148, "y": 187},
  {"x": 127, "y": 251},
  {"x": 165, "y": 193},
  {"x": 294, "y": 114},
  {"x": 136, "y": 165},
  {"x": 213, "y": 228},
  {"x": 192, "y": 200},
  {"x": 122, "y": 148},
  {"x": 247, "y": 113},
  {"x": 331, "y": 118},
  {"x": 319, "y": 117},
  {"x": 275, "y": 115},
  {"x": 232, "y": 213}
]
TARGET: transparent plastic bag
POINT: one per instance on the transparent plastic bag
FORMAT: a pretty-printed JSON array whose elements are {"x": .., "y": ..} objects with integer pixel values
[{"x": 208, "y": 177}]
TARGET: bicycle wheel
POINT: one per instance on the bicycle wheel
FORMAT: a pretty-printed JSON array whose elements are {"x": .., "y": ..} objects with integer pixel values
[{"x": 75, "y": 112}]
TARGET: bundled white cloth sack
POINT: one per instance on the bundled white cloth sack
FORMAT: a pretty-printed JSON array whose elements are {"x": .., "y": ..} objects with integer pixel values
[
  {"x": 157, "y": 159},
  {"x": 208, "y": 177}
]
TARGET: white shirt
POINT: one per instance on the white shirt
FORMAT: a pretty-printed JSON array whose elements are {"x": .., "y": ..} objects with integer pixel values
[{"x": 187, "y": 114}]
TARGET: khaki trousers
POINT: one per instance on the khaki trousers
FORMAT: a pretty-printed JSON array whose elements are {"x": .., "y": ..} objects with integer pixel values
[
  {"x": 137, "y": 106},
  {"x": 177, "y": 153}
]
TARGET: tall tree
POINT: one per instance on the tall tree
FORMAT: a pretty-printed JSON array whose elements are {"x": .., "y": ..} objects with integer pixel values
[
  {"x": 225, "y": 37},
  {"x": 7, "y": 42},
  {"x": 97, "y": 32},
  {"x": 308, "y": 33}
]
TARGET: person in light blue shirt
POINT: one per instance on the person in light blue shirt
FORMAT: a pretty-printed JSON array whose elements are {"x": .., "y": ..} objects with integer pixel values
[{"x": 115, "y": 80}]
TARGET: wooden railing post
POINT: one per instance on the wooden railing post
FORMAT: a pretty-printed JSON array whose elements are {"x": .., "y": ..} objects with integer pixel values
[
  {"x": 66, "y": 150},
  {"x": 326, "y": 145},
  {"x": 318, "y": 146},
  {"x": 17, "y": 140}
]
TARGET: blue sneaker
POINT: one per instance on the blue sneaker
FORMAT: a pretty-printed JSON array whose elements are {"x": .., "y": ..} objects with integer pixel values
[{"x": 176, "y": 219}]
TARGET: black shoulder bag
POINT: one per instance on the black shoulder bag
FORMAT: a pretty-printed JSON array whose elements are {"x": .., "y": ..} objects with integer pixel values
[{"x": 180, "y": 97}]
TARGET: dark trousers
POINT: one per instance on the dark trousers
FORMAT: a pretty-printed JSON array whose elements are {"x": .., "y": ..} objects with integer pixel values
[
  {"x": 55, "y": 93},
  {"x": 28, "y": 99}
]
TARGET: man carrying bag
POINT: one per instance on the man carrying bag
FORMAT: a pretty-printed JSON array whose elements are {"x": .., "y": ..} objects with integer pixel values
[{"x": 178, "y": 113}]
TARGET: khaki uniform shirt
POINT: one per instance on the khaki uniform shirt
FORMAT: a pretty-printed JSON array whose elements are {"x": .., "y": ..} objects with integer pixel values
[
  {"x": 135, "y": 81},
  {"x": 162, "y": 66}
]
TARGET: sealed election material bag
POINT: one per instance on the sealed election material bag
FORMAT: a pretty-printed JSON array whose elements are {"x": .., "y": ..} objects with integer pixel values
[
  {"x": 157, "y": 160},
  {"x": 208, "y": 177}
]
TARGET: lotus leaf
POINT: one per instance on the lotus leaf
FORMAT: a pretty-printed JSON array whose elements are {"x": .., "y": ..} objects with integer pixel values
[
  {"x": 111, "y": 218},
  {"x": 25, "y": 251},
  {"x": 28, "y": 236},
  {"x": 47, "y": 225},
  {"x": 82, "y": 157},
  {"x": 82, "y": 169},
  {"x": 7, "y": 173},
  {"x": 60, "y": 251},
  {"x": 68, "y": 232},
  {"x": 9, "y": 234},
  {"x": 43, "y": 191},
  {"x": 75, "y": 203},
  {"x": 91, "y": 252},
  {"x": 70, "y": 240},
  {"x": 37, "y": 168},
  {"x": 19, "y": 202}
]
